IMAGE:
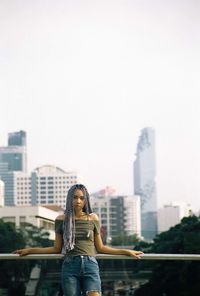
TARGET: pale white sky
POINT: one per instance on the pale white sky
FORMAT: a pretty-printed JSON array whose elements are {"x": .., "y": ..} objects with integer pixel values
[{"x": 82, "y": 78}]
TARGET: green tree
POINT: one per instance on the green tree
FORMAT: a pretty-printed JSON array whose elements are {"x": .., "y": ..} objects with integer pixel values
[
  {"x": 180, "y": 278},
  {"x": 10, "y": 238},
  {"x": 35, "y": 237},
  {"x": 125, "y": 240},
  {"x": 12, "y": 274}
]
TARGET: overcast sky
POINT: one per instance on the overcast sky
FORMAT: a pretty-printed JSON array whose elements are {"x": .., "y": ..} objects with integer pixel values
[{"x": 82, "y": 78}]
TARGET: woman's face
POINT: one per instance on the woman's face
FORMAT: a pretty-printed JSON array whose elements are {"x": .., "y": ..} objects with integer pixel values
[{"x": 79, "y": 199}]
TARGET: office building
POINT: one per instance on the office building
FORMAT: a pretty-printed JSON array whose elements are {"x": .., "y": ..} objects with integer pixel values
[
  {"x": 144, "y": 182},
  {"x": 117, "y": 214},
  {"x": 47, "y": 185},
  {"x": 15, "y": 154},
  {"x": 13, "y": 158},
  {"x": 17, "y": 138},
  {"x": 50, "y": 184},
  {"x": 2, "y": 188},
  {"x": 171, "y": 214},
  {"x": 36, "y": 215}
]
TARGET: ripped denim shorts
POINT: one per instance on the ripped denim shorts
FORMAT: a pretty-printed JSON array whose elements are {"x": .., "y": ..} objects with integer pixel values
[{"x": 80, "y": 275}]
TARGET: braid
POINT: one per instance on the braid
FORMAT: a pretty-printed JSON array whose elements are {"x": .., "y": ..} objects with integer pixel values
[{"x": 69, "y": 216}]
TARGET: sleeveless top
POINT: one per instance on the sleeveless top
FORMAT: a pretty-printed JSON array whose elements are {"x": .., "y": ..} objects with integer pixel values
[{"x": 84, "y": 236}]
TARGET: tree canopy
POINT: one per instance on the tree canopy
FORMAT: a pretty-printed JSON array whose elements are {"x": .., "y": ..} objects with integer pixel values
[
  {"x": 12, "y": 274},
  {"x": 125, "y": 240},
  {"x": 180, "y": 278},
  {"x": 10, "y": 238}
]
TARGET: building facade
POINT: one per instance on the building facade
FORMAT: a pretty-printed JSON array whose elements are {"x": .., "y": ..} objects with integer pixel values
[
  {"x": 46, "y": 185},
  {"x": 17, "y": 139},
  {"x": 170, "y": 215},
  {"x": 36, "y": 215},
  {"x": 50, "y": 184},
  {"x": 2, "y": 190},
  {"x": 13, "y": 158},
  {"x": 117, "y": 214},
  {"x": 144, "y": 182}
]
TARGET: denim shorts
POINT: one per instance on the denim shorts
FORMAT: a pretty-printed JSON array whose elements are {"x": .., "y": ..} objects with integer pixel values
[{"x": 80, "y": 275}]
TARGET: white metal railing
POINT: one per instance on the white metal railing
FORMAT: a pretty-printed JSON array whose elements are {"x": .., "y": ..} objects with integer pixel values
[{"x": 104, "y": 256}]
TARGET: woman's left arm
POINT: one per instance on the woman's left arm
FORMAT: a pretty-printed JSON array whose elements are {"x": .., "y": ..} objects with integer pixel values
[{"x": 101, "y": 248}]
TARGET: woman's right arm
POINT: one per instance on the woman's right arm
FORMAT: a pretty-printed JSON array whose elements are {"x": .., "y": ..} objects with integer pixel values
[{"x": 57, "y": 247}]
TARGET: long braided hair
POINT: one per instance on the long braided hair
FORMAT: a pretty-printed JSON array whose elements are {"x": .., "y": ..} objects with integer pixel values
[{"x": 69, "y": 216}]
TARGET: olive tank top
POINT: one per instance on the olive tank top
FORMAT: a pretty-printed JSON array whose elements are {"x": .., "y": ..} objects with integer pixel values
[{"x": 85, "y": 230}]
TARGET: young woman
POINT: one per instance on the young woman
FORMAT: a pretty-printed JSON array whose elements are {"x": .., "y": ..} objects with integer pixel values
[{"x": 78, "y": 237}]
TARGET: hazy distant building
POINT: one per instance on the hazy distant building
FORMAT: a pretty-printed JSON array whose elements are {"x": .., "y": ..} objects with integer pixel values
[
  {"x": 170, "y": 215},
  {"x": 17, "y": 138},
  {"x": 47, "y": 185},
  {"x": 50, "y": 184},
  {"x": 13, "y": 158},
  {"x": 2, "y": 193},
  {"x": 15, "y": 154},
  {"x": 144, "y": 181},
  {"x": 36, "y": 215},
  {"x": 117, "y": 214}
]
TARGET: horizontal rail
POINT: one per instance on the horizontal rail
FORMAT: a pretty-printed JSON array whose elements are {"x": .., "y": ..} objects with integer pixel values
[{"x": 103, "y": 256}]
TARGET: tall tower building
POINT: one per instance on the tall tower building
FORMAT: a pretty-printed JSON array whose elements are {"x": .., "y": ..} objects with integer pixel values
[
  {"x": 15, "y": 154},
  {"x": 117, "y": 214},
  {"x": 144, "y": 182},
  {"x": 13, "y": 158},
  {"x": 17, "y": 138}
]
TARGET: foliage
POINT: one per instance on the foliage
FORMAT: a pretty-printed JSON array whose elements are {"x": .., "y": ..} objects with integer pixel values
[
  {"x": 12, "y": 274},
  {"x": 125, "y": 240},
  {"x": 180, "y": 278},
  {"x": 10, "y": 238},
  {"x": 35, "y": 237}
]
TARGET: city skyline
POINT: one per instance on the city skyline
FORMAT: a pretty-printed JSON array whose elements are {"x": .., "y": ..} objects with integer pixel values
[{"x": 84, "y": 80}]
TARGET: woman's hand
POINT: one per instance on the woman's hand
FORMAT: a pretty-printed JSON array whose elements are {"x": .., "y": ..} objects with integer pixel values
[
  {"x": 135, "y": 254},
  {"x": 22, "y": 252}
]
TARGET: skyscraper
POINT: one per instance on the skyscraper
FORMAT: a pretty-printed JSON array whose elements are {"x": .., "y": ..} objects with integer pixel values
[
  {"x": 144, "y": 181},
  {"x": 17, "y": 138},
  {"x": 15, "y": 153},
  {"x": 13, "y": 158},
  {"x": 118, "y": 214}
]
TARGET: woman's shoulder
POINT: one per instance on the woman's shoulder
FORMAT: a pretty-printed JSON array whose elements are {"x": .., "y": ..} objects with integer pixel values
[
  {"x": 60, "y": 217},
  {"x": 93, "y": 217}
]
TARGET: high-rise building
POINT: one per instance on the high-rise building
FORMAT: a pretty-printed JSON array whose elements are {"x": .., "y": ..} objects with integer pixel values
[
  {"x": 1, "y": 193},
  {"x": 144, "y": 182},
  {"x": 47, "y": 185},
  {"x": 13, "y": 159},
  {"x": 117, "y": 214},
  {"x": 15, "y": 153},
  {"x": 17, "y": 138},
  {"x": 50, "y": 184},
  {"x": 171, "y": 214}
]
